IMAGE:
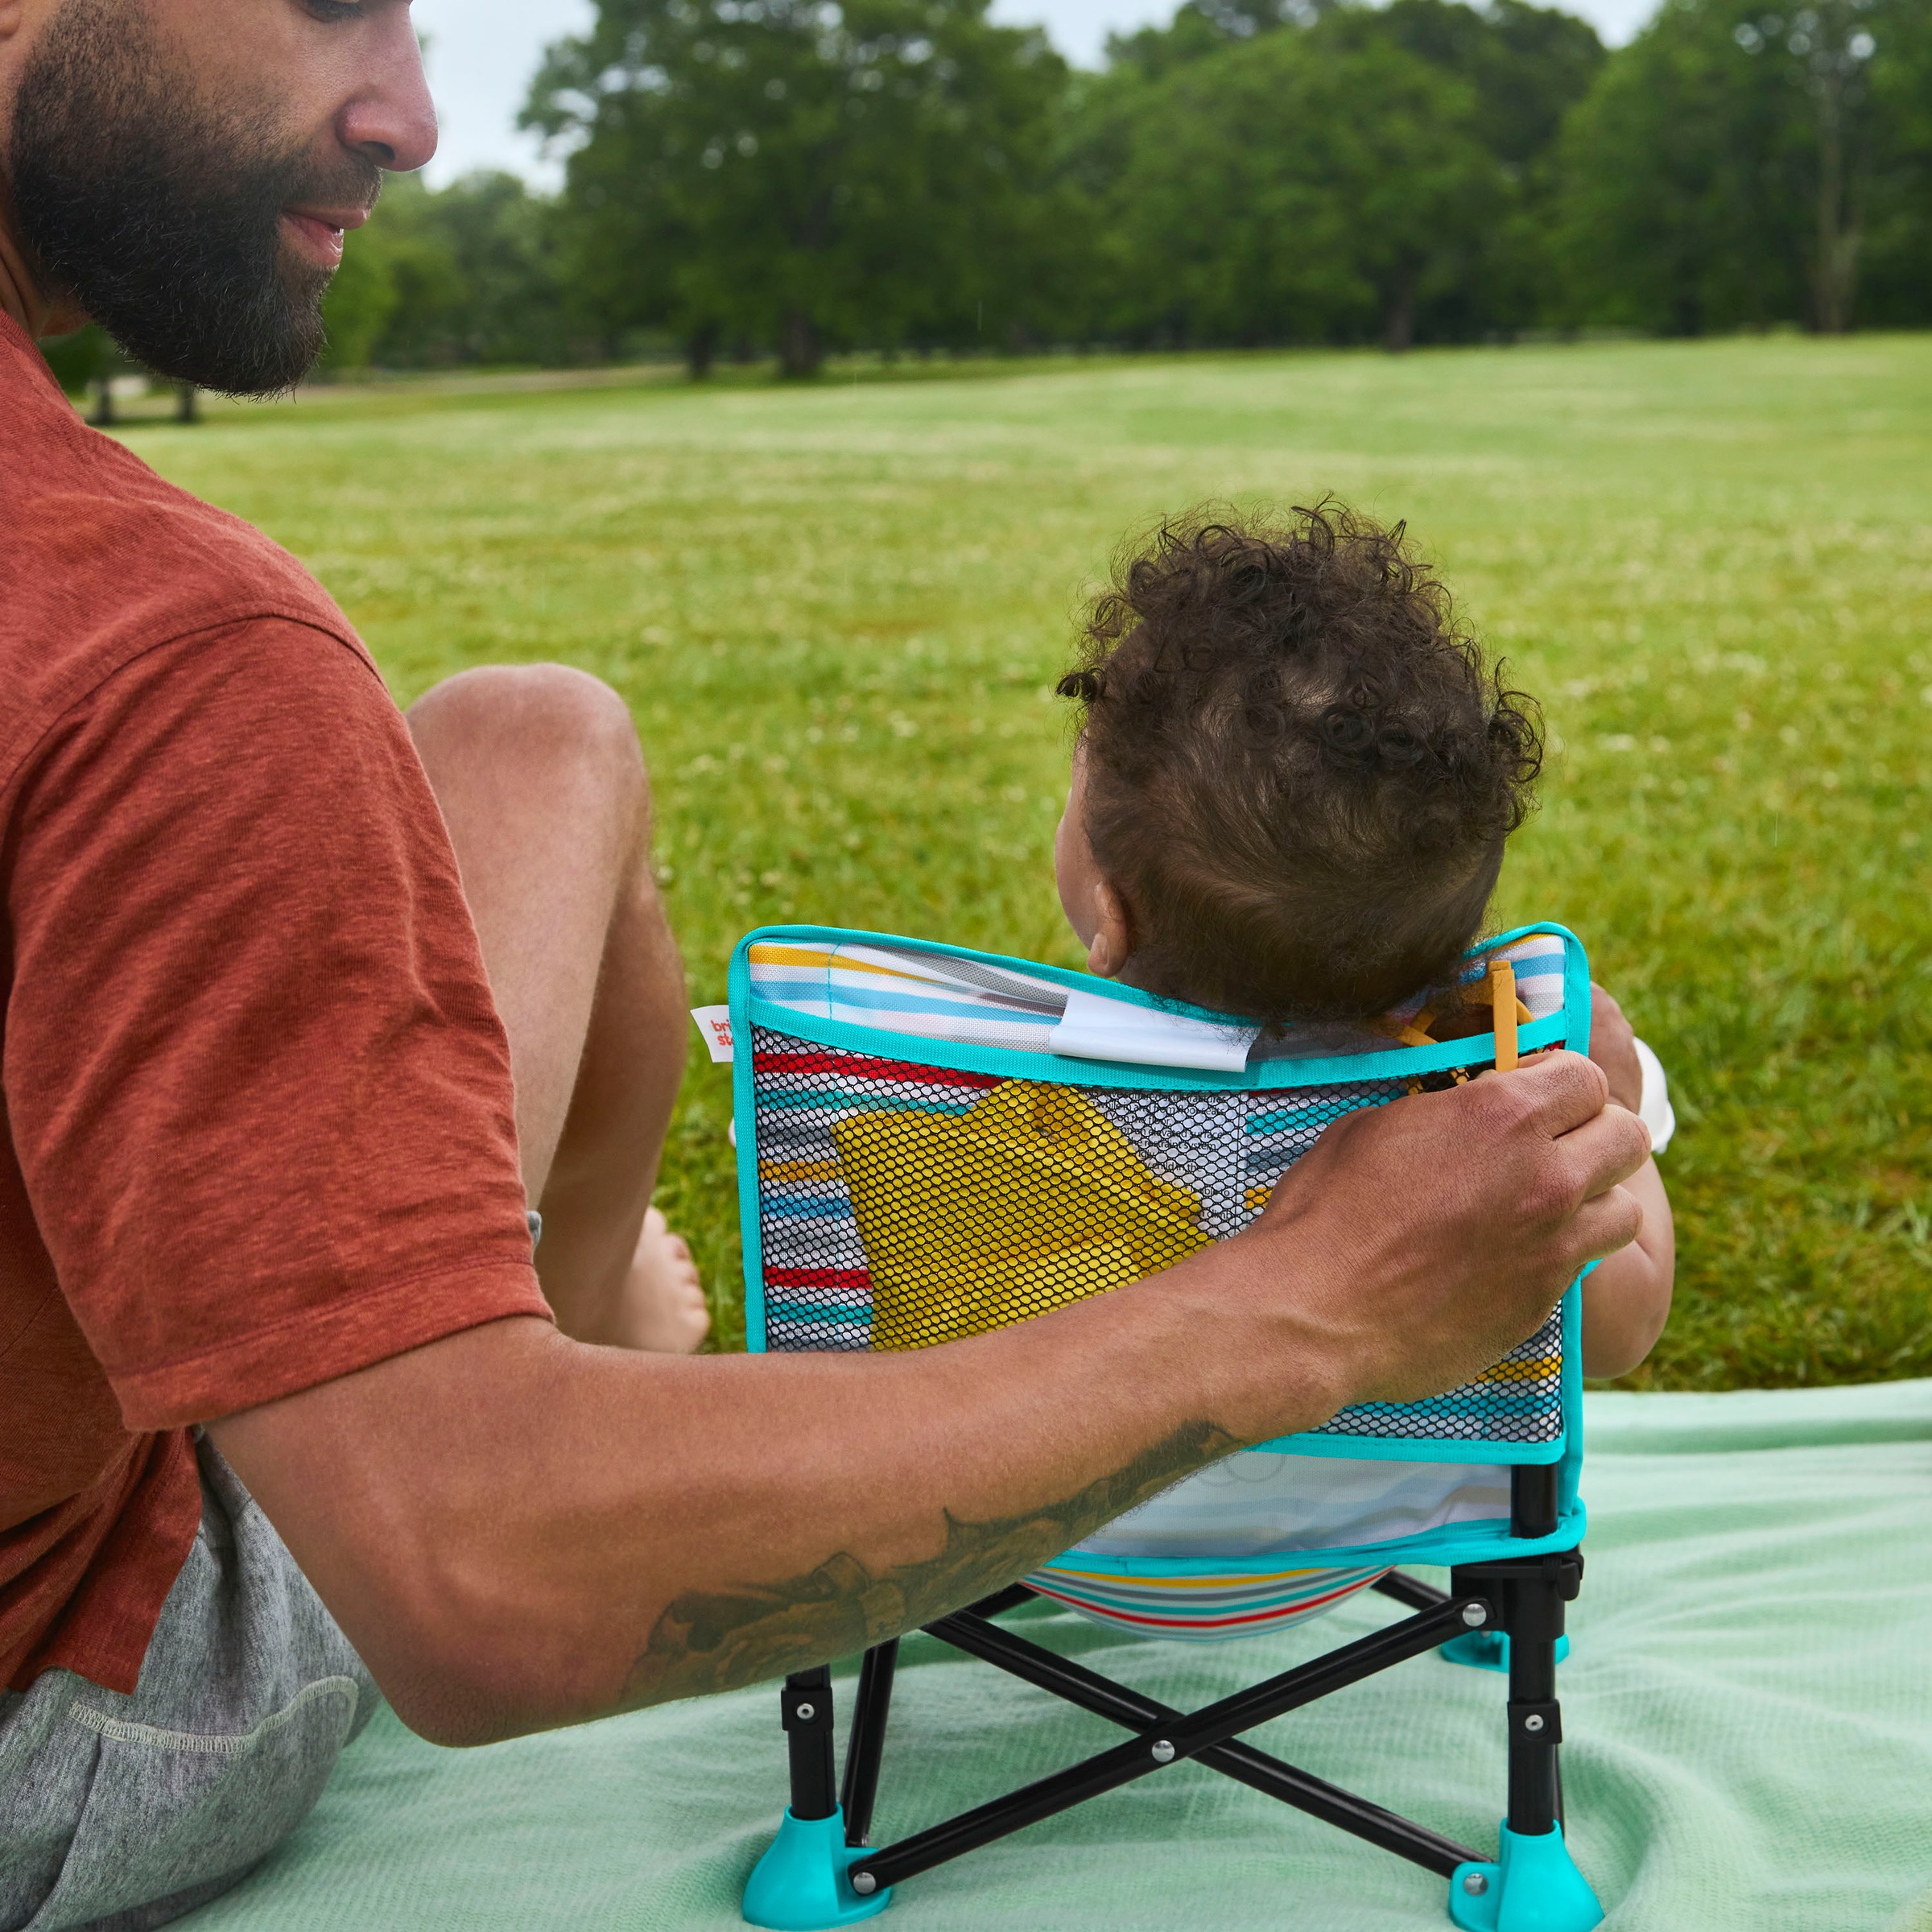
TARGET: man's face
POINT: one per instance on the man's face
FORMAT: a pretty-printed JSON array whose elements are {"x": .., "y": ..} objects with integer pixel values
[{"x": 185, "y": 169}]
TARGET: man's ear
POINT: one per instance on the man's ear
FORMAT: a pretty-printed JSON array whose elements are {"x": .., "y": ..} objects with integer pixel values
[{"x": 1113, "y": 931}]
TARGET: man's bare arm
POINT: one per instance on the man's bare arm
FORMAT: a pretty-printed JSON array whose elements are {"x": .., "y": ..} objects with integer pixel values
[
  {"x": 706, "y": 1639},
  {"x": 517, "y": 1530}
]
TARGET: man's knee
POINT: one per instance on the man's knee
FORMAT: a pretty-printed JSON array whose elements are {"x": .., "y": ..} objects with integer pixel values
[{"x": 517, "y": 716}]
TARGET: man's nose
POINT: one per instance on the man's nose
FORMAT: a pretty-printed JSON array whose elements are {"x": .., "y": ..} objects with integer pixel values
[{"x": 390, "y": 118}]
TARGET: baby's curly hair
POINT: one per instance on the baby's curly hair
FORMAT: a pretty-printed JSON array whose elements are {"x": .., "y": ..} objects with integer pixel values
[{"x": 1300, "y": 768}]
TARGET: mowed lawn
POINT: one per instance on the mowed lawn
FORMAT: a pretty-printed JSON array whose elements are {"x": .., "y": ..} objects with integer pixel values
[{"x": 837, "y": 612}]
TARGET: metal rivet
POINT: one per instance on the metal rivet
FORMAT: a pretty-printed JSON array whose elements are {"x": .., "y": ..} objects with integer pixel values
[
  {"x": 808, "y": 1711},
  {"x": 1475, "y": 1616},
  {"x": 1474, "y": 1883},
  {"x": 1533, "y": 1722},
  {"x": 864, "y": 1883},
  {"x": 1163, "y": 1752}
]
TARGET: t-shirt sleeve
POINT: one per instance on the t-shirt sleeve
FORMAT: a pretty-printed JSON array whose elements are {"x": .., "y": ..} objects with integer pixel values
[{"x": 255, "y": 1080}]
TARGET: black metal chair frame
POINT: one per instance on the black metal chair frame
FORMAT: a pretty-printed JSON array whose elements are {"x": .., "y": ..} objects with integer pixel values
[{"x": 1523, "y": 1597}]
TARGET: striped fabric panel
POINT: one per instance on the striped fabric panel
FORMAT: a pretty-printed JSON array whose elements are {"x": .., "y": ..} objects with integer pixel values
[
  {"x": 817, "y": 1286},
  {"x": 1538, "y": 963},
  {"x": 1200, "y": 1609},
  {"x": 906, "y": 989}
]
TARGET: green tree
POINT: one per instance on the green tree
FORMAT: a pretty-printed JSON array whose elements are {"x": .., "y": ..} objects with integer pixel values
[
  {"x": 1825, "y": 51},
  {"x": 362, "y": 299},
  {"x": 1670, "y": 219},
  {"x": 504, "y": 241},
  {"x": 1467, "y": 164},
  {"x": 1895, "y": 262},
  {"x": 804, "y": 172},
  {"x": 1308, "y": 185},
  {"x": 1527, "y": 65},
  {"x": 1729, "y": 165},
  {"x": 81, "y": 358},
  {"x": 1198, "y": 28},
  {"x": 467, "y": 274}
]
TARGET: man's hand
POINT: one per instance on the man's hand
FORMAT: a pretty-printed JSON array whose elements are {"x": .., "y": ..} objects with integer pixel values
[{"x": 1419, "y": 1242}]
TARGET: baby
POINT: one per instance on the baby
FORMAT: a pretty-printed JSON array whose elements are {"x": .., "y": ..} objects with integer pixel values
[{"x": 1295, "y": 779}]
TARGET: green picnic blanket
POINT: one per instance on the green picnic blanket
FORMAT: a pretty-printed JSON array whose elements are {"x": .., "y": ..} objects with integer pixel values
[{"x": 1747, "y": 1721}]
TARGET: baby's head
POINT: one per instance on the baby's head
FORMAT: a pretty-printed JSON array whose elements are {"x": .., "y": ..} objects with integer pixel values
[{"x": 1295, "y": 773}]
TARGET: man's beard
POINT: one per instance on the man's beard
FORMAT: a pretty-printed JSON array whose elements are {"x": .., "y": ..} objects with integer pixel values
[{"x": 160, "y": 211}]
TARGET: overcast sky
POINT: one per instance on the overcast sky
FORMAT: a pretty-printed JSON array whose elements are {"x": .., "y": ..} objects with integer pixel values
[{"x": 483, "y": 52}]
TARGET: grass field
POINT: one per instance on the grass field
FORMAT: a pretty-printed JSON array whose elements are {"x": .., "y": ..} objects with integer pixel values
[{"x": 837, "y": 612}]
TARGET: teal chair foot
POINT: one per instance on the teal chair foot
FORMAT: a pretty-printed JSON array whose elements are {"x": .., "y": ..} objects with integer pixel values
[
  {"x": 799, "y": 1885},
  {"x": 1533, "y": 1886},
  {"x": 1488, "y": 1649}
]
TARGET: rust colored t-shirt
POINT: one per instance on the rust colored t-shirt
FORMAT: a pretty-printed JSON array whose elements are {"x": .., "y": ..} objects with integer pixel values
[{"x": 258, "y": 1125}]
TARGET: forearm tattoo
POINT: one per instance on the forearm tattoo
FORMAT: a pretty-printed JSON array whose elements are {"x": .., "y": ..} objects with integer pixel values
[{"x": 713, "y": 1640}]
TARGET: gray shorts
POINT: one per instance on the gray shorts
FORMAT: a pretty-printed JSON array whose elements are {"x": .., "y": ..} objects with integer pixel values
[{"x": 123, "y": 1812}]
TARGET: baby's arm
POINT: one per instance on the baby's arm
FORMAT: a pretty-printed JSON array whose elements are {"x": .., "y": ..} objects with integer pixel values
[{"x": 1626, "y": 1297}]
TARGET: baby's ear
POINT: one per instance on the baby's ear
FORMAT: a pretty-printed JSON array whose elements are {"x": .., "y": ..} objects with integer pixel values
[{"x": 1113, "y": 931}]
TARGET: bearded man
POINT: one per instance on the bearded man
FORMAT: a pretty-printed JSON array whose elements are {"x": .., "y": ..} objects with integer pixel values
[{"x": 308, "y": 1006}]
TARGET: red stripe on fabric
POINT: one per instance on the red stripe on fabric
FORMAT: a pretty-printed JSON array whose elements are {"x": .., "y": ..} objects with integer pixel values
[
  {"x": 1300, "y": 1607},
  {"x": 1134, "y": 1617},
  {"x": 818, "y": 1278},
  {"x": 859, "y": 1065}
]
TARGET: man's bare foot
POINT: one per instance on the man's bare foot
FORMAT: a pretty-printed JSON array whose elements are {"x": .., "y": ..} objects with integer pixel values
[{"x": 664, "y": 1300}]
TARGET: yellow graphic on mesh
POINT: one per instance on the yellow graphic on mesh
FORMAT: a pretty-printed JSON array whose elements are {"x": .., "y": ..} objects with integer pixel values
[{"x": 1031, "y": 1199}]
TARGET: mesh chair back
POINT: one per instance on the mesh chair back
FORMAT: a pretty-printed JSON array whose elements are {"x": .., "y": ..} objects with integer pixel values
[{"x": 920, "y": 1158}]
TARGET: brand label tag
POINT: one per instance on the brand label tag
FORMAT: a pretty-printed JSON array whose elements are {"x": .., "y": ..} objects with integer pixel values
[{"x": 714, "y": 1027}]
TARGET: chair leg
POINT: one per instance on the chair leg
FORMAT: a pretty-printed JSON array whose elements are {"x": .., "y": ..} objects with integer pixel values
[
  {"x": 1533, "y": 1881},
  {"x": 1410, "y": 1591},
  {"x": 867, "y": 1744},
  {"x": 1481, "y": 1649},
  {"x": 1158, "y": 1745},
  {"x": 805, "y": 1710},
  {"x": 1533, "y": 1618},
  {"x": 1535, "y": 1505},
  {"x": 801, "y": 1883}
]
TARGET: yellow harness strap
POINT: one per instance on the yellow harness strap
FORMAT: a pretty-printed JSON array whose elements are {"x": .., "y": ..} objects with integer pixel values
[
  {"x": 1505, "y": 1006},
  {"x": 1416, "y": 1033},
  {"x": 1509, "y": 1011}
]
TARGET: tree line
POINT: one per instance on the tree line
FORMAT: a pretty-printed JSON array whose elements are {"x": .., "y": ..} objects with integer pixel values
[{"x": 795, "y": 177}]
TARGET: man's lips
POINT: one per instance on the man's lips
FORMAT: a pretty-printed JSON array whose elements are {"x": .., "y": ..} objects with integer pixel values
[{"x": 318, "y": 231}]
